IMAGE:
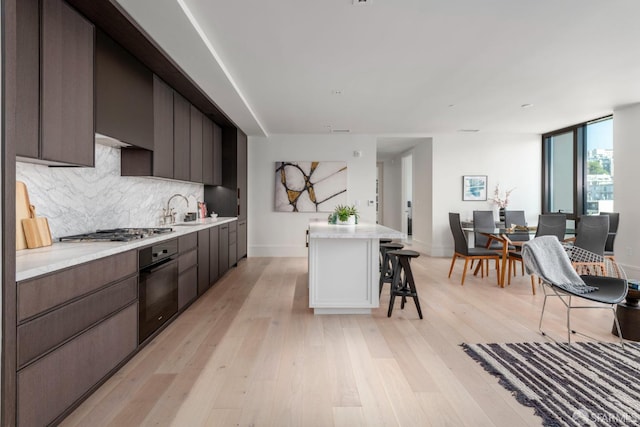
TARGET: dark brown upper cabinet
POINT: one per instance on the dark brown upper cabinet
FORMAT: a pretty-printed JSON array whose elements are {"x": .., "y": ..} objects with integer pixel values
[
  {"x": 67, "y": 132},
  {"x": 211, "y": 153},
  {"x": 241, "y": 160},
  {"x": 162, "y": 129},
  {"x": 181, "y": 138},
  {"x": 27, "y": 78},
  {"x": 230, "y": 198},
  {"x": 55, "y": 78},
  {"x": 187, "y": 145},
  {"x": 124, "y": 95},
  {"x": 196, "y": 162},
  {"x": 217, "y": 155}
]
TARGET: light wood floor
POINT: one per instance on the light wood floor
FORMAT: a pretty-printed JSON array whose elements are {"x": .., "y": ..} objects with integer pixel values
[{"x": 251, "y": 353}]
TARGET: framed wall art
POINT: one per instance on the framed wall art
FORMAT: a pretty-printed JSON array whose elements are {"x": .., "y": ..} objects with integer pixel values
[
  {"x": 474, "y": 187},
  {"x": 310, "y": 186}
]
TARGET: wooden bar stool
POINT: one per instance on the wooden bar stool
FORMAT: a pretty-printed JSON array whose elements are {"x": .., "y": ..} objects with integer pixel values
[
  {"x": 387, "y": 266},
  {"x": 381, "y": 254},
  {"x": 402, "y": 283}
]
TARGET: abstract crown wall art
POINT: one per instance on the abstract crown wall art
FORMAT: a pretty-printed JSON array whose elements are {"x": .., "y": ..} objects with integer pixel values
[{"x": 310, "y": 186}]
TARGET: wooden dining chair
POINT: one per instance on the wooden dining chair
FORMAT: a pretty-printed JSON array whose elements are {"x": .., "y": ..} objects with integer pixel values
[{"x": 462, "y": 249}]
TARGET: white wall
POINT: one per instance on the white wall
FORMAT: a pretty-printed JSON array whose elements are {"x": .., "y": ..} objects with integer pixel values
[
  {"x": 282, "y": 233},
  {"x": 626, "y": 127},
  {"x": 510, "y": 160}
]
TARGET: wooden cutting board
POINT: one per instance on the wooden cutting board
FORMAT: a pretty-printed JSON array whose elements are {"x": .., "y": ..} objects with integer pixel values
[
  {"x": 23, "y": 211},
  {"x": 36, "y": 230}
]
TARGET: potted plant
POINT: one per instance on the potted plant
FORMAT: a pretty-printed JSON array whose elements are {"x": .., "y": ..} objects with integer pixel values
[{"x": 345, "y": 215}]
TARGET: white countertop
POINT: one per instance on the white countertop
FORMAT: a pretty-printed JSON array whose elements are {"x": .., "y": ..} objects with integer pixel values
[
  {"x": 35, "y": 262},
  {"x": 323, "y": 230}
]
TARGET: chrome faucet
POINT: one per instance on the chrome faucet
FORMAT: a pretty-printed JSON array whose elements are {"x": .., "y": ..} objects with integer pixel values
[{"x": 168, "y": 214}]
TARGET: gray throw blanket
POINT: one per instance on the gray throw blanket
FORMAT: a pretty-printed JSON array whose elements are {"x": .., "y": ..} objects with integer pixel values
[{"x": 545, "y": 257}]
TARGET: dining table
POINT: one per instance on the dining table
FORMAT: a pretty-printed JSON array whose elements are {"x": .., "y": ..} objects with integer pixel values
[{"x": 504, "y": 237}]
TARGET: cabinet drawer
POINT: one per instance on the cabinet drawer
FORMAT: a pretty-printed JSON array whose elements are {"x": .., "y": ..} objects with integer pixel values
[
  {"x": 186, "y": 242},
  {"x": 187, "y": 260},
  {"x": 43, "y": 293},
  {"x": 49, "y": 386},
  {"x": 45, "y": 332}
]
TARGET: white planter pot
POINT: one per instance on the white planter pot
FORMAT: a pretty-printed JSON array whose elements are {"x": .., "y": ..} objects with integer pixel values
[{"x": 350, "y": 221}]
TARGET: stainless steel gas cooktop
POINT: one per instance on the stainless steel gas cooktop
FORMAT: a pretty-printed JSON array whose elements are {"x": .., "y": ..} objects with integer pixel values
[{"x": 116, "y": 235}]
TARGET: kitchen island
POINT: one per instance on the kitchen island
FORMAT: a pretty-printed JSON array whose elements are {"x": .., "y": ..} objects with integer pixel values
[{"x": 344, "y": 266}]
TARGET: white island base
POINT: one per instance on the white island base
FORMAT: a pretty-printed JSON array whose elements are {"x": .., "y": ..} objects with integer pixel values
[{"x": 344, "y": 267}]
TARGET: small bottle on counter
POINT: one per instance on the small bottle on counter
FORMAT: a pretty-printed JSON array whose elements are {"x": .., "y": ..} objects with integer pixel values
[{"x": 202, "y": 209}]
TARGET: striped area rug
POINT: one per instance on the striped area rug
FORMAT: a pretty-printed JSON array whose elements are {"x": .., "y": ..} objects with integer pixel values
[{"x": 585, "y": 384}]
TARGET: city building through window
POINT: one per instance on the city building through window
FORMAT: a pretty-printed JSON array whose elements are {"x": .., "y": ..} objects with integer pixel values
[{"x": 578, "y": 169}]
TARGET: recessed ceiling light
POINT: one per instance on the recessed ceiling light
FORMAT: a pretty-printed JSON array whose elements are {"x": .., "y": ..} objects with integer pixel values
[
  {"x": 336, "y": 92},
  {"x": 469, "y": 130},
  {"x": 451, "y": 105},
  {"x": 361, "y": 2},
  {"x": 526, "y": 105}
]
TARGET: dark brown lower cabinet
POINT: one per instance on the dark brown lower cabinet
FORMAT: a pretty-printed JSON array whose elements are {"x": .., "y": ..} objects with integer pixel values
[
  {"x": 75, "y": 326},
  {"x": 203, "y": 261},
  {"x": 213, "y": 255},
  {"x": 223, "y": 249},
  {"x": 242, "y": 239},
  {"x": 187, "y": 269},
  {"x": 78, "y": 325},
  {"x": 47, "y": 387},
  {"x": 187, "y": 287},
  {"x": 233, "y": 245},
  {"x": 52, "y": 329}
]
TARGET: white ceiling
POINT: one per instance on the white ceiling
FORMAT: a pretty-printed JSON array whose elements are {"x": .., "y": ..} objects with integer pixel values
[{"x": 404, "y": 67}]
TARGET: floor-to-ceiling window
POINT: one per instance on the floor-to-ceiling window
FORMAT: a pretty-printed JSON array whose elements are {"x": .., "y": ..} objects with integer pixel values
[{"x": 578, "y": 172}]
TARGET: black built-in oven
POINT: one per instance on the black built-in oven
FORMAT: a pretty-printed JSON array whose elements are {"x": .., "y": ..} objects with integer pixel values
[{"x": 157, "y": 286}]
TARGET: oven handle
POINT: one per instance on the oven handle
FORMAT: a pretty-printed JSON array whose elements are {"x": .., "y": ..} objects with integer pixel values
[{"x": 157, "y": 266}]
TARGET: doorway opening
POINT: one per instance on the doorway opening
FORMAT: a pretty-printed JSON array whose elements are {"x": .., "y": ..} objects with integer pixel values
[
  {"x": 379, "y": 187},
  {"x": 407, "y": 194}
]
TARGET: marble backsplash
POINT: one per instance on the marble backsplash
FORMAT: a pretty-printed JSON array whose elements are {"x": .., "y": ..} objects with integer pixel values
[{"x": 80, "y": 200}]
